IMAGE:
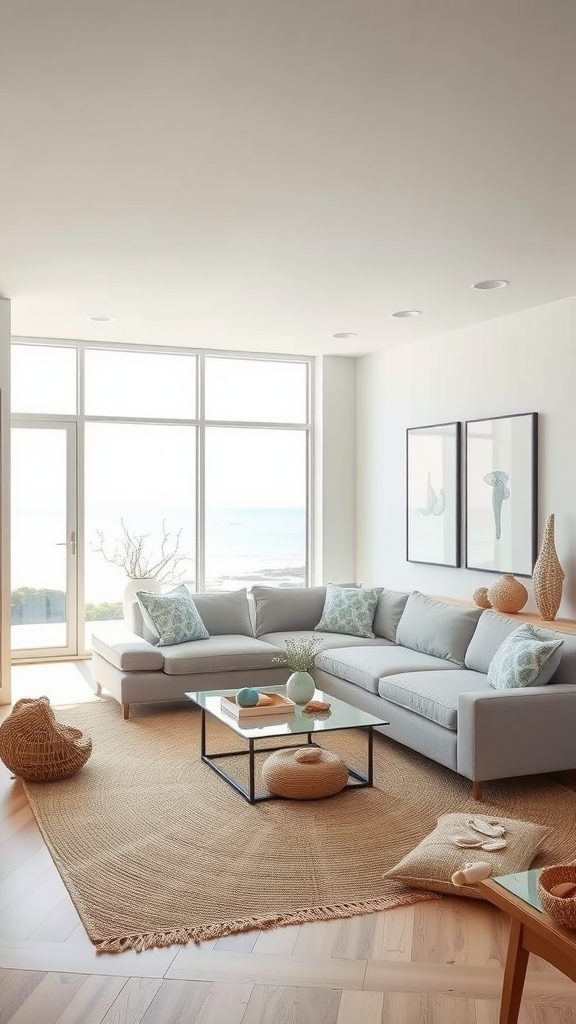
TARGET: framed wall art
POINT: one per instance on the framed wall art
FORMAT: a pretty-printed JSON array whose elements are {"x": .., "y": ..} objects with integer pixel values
[
  {"x": 502, "y": 493},
  {"x": 433, "y": 494}
]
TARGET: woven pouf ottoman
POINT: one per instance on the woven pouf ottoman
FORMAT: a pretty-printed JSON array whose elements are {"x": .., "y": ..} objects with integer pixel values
[
  {"x": 304, "y": 774},
  {"x": 38, "y": 748}
]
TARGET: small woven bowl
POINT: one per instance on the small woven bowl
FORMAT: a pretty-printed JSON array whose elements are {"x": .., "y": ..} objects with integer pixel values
[{"x": 562, "y": 909}]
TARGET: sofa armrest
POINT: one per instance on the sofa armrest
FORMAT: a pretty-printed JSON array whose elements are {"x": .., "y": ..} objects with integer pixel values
[
  {"x": 128, "y": 652},
  {"x": 517, "y": 732}
]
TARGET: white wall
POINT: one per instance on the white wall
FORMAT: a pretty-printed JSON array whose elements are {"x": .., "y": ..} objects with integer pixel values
[
  {"x": 5, "y": 502},
  {"x": 515, "y": 364},
  {"x": 334, "y": 549}
]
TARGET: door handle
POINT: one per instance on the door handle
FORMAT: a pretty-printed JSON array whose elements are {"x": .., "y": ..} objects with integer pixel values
[{"x": 64, "y": 543}]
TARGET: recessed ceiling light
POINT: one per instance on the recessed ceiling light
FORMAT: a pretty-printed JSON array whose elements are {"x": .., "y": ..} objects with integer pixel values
[
  {"x": 405, "y": 314},
  {"x": 101, "y": 318},
  {"x": 345, "y": 334},
  {"x": 486, "y": 286}
]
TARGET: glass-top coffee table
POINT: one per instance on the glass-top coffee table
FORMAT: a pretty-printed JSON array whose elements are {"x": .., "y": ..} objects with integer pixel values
[
  {"x": 531, "y": 931},
  {"x": 293, "y": 723}
]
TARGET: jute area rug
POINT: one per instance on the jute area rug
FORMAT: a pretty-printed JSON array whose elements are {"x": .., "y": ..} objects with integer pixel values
[{"x": 155, "y": 849}]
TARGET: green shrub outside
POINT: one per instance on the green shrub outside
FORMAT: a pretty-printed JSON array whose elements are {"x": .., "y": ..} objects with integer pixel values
[{"x": 33, "y": 607}]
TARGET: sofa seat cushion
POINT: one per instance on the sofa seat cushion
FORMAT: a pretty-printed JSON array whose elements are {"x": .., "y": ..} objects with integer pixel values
[
  {"x": 219, "y": 654},
  {"x": 364, "y": 666},
  {"x": 128, "y": 652},
  {"x": 433, "y": 695}
]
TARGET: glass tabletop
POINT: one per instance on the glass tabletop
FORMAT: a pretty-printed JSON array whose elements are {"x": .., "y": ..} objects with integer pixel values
[
  {"x": 291, "y": 723},
  {"x": 523, "y": 885}
]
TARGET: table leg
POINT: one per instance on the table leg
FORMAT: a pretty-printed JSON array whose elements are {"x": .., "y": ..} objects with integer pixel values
[
  {"x": 370, "y": 756},
  {"x": 251, "y": 770},
  {"x": 203, "y": 734},
  {"x": 514, "y": 975}
]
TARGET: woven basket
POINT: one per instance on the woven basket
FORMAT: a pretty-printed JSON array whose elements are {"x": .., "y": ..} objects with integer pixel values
[
  {"x": 304, "y": 774},
  {"x": 36, "y": 747},
  {"x": 561, "y": 909}
]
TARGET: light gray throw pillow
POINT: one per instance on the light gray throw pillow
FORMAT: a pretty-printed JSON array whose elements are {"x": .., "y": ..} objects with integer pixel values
[
  {"x": 432, "y": 627},
  {"x": 391, "y": 604},
  {"x": 173, "y": 617},
  {"x": 349, "y": 610},
  {"x": 524, "y": 660}
]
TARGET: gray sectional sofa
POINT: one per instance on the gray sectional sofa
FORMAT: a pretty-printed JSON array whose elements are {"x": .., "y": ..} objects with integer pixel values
[{"x": 424, "y": 671}]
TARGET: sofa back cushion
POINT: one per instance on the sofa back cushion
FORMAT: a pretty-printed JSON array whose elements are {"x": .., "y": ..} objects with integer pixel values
[
  {"x": 492, "y": 630},
  {"x": 277, "y": 610},
  {"x": 435, "y": 628},
  {"x": 391, "y": 604},
  {"x": 225, "y": 612}
]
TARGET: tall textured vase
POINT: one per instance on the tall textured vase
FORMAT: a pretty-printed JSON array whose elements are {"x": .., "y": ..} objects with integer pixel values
[{"x": 548, "y": 575}]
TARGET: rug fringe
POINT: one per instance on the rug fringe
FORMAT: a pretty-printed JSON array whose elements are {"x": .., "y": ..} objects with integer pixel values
[{"x": 219, "y": 929}]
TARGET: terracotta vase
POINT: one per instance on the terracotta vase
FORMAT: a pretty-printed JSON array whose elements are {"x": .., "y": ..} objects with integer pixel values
[
  {"x": 508, "y": 594},
  {"x": 548, "y": 575}
]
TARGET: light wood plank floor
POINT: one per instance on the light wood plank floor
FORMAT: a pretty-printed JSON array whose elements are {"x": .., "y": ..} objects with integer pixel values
[{"x": 435, "y": 963}]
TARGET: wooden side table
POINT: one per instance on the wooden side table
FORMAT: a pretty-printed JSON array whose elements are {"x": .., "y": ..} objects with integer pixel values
[{"x": 531, "y": 931}]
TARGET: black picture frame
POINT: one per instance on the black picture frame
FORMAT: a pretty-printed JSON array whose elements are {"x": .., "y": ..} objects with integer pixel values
[
  {"x": 433, "y": 506},
  {"x": 501, "y": 483}
]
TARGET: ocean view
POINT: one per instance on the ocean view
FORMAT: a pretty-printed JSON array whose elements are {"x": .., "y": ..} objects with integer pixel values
[{"x": 244, "y": 546}]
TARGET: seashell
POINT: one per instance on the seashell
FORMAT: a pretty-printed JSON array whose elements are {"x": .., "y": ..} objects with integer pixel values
[
  {"x": 563, "y": 889},
  {"x": 468, "y": 842},
  {"x": 486, "y": 828}
]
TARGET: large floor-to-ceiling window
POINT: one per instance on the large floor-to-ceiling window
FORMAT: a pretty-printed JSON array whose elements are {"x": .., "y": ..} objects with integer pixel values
[{"x": 195, "y": 465}]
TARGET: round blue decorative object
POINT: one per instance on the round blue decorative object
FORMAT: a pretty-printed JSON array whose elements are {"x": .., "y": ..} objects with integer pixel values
[{"x": 247, "y": 697}]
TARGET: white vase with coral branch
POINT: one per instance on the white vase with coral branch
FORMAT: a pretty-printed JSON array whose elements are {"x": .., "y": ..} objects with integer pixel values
[{"x": 148, "y": 566}]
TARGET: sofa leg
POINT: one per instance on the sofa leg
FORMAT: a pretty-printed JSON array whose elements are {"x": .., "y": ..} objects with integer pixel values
[
  {"x": 126, "y": 712},
  {"x": 476, "y": 788}
]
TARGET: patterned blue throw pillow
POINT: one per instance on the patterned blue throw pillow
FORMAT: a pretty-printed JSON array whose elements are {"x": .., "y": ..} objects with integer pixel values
[
  {"x": 174, "y": 616},
  {"x": 349, "y": 610},
  {"x": 524, "y": 660}
]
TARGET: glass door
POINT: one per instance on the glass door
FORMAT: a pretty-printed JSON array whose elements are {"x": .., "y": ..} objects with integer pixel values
[{"x": 44, "y": 540}]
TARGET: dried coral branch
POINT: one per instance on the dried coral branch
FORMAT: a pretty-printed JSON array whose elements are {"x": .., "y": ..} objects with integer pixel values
[{"x": 130, "y": 554}]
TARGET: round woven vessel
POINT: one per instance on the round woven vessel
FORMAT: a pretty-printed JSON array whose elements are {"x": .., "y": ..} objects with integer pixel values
[
  {"x": 561, "y": 909},
  {"x": 508, "y": 594},
  {"x": 304, "y": 774},
  {"x": 36, "y": 747}
]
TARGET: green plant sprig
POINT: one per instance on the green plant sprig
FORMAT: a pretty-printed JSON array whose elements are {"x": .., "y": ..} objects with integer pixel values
[{"x": 300, "y": 653}]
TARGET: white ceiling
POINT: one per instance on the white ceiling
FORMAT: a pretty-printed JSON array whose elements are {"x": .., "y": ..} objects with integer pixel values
[{"x": 259, "y": 174}]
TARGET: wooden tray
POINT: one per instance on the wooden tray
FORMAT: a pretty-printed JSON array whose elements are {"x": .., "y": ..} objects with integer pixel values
[{"x": 280, "y": 705}]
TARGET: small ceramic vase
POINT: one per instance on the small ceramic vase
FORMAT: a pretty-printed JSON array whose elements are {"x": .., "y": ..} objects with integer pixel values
[
  {"x": 480, "y": 597},
  {"x": 508, "y": 594},
  {"x": 548, "y": 575},
  {"x": 300, "y": 687}
]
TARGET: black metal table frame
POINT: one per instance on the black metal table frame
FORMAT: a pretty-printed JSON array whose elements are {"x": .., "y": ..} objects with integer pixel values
[{"x": 362, "y": 781}]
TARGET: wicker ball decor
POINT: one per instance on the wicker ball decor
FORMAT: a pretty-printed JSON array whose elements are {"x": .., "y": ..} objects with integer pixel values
[
  {"x": 305, "y": 773},
  {"x": 561, "y": 909},
  {"x": 508, "y": 594},
  {"x": 38, "y": 748},
  {"x": 480, "y": 597}
]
